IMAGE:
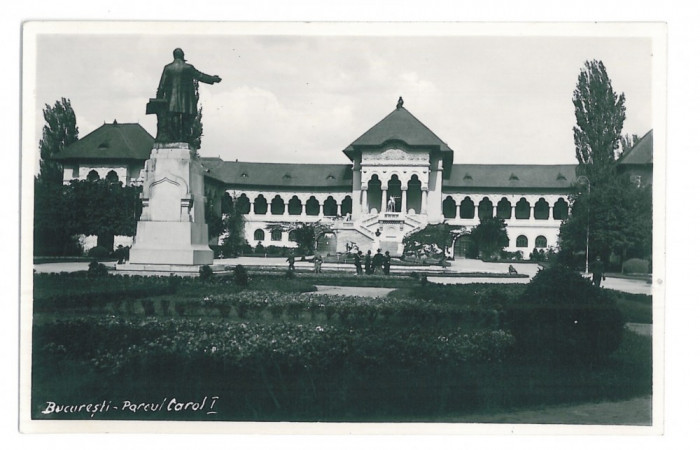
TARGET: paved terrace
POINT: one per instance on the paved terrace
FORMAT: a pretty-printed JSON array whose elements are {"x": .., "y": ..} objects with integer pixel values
[{"x": 451, "y": 274}]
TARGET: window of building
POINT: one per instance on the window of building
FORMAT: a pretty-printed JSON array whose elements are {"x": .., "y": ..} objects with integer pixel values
[
  {"x": 294, "y": 207},
  {"x": 259, "y": 235},
  {"x": 93, "y": 175},
  {"x": 346, "y": 206},
  {"x": 260, "y": 205},
  {"x": 561, "y": 209},
  {"x": 522, "y": 209},
  {"x": 541, "y": 242},
  {"x": 485, "y": 209},
  {"x": 313, "y": 208},
  {"x": 243, "y": 204},
  {"x": 466, "y": 208},
  {"x": 541, "y": 209},
  {"x": 276, "y": 235},
  {"x": 112, "y": 177},
  {"x": 449, "y": 208},
  {"x": 503, "y": 209},
  {"x": 277, "y": 206},
  {"x": 226, "y": 203},
  {"x": 521, "y": 241},
  {"x": 330, "y": 207}
]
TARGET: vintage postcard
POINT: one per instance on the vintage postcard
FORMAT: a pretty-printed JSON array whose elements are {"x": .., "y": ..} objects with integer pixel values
[{"x": 333, "y": 228}]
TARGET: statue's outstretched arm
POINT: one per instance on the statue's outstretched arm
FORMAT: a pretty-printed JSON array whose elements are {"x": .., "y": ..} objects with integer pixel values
[{"x": 204, "y": 78}]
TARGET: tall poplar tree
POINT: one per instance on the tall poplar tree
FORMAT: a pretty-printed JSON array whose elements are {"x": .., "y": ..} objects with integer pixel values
[
  {"x": 600, "y": 114},
  {"x": 59, "y": 131}
]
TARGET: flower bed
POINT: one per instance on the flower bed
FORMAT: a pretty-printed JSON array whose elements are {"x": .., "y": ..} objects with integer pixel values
[{"x": 291, "y": 370}]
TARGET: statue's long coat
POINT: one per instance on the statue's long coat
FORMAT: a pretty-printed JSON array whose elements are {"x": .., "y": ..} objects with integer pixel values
[{"x": 177, "y": 86}]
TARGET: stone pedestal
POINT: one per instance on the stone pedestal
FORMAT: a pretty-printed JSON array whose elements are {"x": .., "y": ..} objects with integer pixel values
[{"x": 172, "y": 229}]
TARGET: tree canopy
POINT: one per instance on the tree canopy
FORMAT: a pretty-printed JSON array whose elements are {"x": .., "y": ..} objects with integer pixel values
[
  {"x": 440, "y": 236},
  {"x": 617, "y": 216},
  {"x": 600, "y": 114},
  {"x": 490, "y": 236},
  {"x": 59, "y": 131},
  {"x": 99, "y": 208}
]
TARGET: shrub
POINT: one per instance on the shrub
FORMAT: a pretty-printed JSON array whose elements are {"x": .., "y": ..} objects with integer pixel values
[
  {"x": 98, "y": 252},
  {"x": 240, "y": 275},
  {"x": 96, "y": 270},
  {"x": 635, "y": 265},
  {"x": 205, "y": 273},
  {"x": 562, "y": 316}
]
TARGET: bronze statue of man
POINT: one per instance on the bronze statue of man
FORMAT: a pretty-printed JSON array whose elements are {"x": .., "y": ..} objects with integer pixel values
[{"x": 176, "y": 100}]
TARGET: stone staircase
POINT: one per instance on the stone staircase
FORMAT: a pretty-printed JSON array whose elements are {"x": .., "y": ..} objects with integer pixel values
[{"x": 385, "y": 230}]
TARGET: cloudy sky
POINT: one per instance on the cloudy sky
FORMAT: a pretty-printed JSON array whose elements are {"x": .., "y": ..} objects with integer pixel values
[{"x": 303, "y": 97}]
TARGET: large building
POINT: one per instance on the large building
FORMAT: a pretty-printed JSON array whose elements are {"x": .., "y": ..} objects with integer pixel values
[{"x": 399, "y": 178}]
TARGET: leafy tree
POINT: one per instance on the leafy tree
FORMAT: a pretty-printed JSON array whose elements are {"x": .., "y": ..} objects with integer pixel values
[
  {"x": 196, "y": 133},
  {"x": 440, "y": 236},
  {"x": 618, "y": 218},
  {"x": 215, "y": 221},
  {"x": 600, "y": 114},
  {"x": 490, "y": 237},
  {"x": 51, "y": 237},
  {"x": 58, "y": 132},
  {"x": 102, "y": 209},
  {"x": 615, "y": 214},
  {"x": 305, "y": 234},
  {"x": 54, "y": 227},
  {"x": 234, "y": 242}
]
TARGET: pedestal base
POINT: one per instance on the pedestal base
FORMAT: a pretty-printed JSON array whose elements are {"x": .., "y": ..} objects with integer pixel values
[{"x": 171, "y": 243}]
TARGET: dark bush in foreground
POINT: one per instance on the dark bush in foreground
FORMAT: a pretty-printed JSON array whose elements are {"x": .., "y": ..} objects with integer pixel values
[
  {"x": 206, "y": 273},
  {"x": 96, "y": 270},
  {"x": 240, "y": 275},
  {"x": 562, "y": 316}
]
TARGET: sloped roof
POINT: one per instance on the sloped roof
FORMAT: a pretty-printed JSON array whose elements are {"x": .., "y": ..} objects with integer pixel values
[
  {"x": 111, "y": 141},
  {"x": 641, "y": 153},
  {"x": 399, "y": 125},
  {"x": 278, "y": 175},
  {"x": 516, "y": 176}
]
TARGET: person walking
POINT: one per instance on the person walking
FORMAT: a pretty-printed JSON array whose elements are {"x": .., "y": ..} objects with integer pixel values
[
  {"x": 598, "y": 270},
  {"x": 290, "y": 261},
  {"x": 368, "y": 262},
  {"x": 387, "y": 263},
  {"x": 358, "y": 262}
]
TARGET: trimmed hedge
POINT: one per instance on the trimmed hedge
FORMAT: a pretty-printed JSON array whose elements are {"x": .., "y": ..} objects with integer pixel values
[{"x": 635, "y": 265}]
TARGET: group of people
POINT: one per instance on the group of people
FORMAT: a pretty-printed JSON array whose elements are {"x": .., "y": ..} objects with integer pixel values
[{"x": 372, "y": 264}]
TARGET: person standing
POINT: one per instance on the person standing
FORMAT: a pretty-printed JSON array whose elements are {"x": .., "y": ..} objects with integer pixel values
[
  {"x": 358, "y": 262},
  {"x": 387, "y": 263},
  {"x": 318, "y": 260},
  {"x": 290, "y": 261},
  {"x": 377, "y": 261},
  {"x": 598, "y": 270},
  {"x": 368, "y": 262}
]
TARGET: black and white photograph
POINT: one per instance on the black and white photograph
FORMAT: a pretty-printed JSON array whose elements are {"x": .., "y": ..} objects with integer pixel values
[{"x": 320, "y": 226}]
